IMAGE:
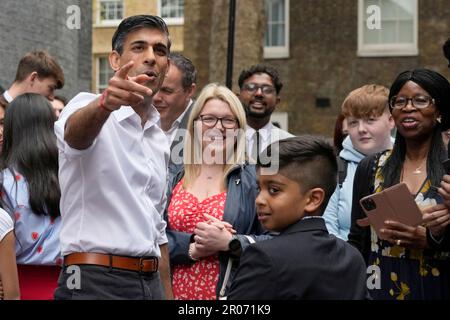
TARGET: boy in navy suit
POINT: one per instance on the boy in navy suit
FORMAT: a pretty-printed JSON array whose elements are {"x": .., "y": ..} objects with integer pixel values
[{"x": 304, "y": 261}]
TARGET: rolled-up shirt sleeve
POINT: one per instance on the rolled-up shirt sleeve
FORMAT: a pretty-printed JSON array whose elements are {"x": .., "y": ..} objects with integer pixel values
[{"x": 78, "y": 102}]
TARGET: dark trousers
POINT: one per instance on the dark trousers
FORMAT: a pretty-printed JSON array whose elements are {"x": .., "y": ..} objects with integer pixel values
[{"x": 87, "y": 282}]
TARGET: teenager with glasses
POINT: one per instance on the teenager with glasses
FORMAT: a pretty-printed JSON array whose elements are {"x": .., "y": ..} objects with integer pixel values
[
  {"x": 260, "y": 88},
  {"x": 411, "y": 266},
  {"x": 211, "y": 201}
]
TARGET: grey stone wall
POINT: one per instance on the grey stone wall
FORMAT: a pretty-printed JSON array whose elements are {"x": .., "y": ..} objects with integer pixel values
[{"x": 28, "y": 25}]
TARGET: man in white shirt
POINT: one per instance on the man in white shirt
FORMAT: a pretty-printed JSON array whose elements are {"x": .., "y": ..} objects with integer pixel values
[
  {"x": 113, "y": 159},
  {"x": 260, "y": 88},
  {"x": 174, "y": 103}
]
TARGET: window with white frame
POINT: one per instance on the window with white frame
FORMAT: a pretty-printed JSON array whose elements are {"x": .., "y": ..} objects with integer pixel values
[
  {"x": 172, "y": 11},
  {"x": 104, "y": 73},
  {"x": 277, "y": 32},
  {"x": 387, "y": 28},
  {"x": 110, "y": 12}
]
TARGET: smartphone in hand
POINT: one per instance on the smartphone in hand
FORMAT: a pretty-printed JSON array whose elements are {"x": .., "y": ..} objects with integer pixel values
[{"x": 395, "y": 203}]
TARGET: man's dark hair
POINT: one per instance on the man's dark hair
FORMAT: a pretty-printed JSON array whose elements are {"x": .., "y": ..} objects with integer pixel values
[
  {"x": 446, "y": 49},
  {"x": 308, "y": 160},
  {"x": 260, "y": 68},
  {"x": 133, "y": 23},
  {"x": 187, "y": 68},
  {"x": 42, "y": 63}
]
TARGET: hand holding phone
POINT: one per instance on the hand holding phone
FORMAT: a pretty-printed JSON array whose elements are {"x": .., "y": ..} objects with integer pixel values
[{"x": 394, "y": 204}]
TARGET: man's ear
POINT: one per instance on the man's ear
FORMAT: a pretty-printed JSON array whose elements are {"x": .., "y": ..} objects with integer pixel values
[
  {"x": 315, "y": 199},
  {"x": 114, "y": 60},
  {"x": 191, "y": 90},
  {"x": 33, "y": 76},
  {"x": 278, "y": 100}
]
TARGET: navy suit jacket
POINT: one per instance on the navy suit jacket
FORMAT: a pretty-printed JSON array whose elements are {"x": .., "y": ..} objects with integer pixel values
[{"x": 303, "y": 262}]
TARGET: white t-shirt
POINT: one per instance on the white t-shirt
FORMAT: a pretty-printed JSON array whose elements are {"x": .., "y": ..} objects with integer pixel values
[
  {"x": 112, "y": 193},
  {"x": 6, "y": 224}
]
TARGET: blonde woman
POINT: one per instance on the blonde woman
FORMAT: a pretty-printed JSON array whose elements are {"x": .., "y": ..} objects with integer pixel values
[{"x": 211, "y": 201}]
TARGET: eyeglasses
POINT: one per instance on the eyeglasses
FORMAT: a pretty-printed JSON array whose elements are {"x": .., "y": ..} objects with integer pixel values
[
  {"x": 211, "y": 121},
  {"x": 253, "y": 87},
  {"x": 418, "y": 102}
]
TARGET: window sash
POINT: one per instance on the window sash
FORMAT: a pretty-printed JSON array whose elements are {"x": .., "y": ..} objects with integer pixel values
[
  {"x": 110, "y": 11},
  {"x": 172, "y": 11},
  {"x": 399, "y": 31},
  {"x": 276, "y": 39},
  {"x": 104, "y": 73}
]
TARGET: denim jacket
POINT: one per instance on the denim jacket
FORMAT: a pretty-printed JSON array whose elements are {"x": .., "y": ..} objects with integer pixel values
[{"x": 240, "y": 212}]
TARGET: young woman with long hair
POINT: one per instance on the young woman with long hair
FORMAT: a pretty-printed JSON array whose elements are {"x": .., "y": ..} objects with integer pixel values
[{"x": 30, "y": 192}]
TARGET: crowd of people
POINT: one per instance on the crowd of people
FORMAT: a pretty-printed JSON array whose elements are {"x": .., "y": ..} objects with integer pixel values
[{"x": 159, "y": 189}]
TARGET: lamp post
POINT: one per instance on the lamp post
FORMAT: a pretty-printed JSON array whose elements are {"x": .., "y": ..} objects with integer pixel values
[{"x": 230, "y": 50}]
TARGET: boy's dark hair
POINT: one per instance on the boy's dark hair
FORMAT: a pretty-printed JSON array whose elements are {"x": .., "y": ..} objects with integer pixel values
[
  {"x": 132, "y": 23},
  {"x": 187, "y": 68},
  {"x": 41, "y": 62},
  {"x": 260, "y": 68},
  {"x": 308, "y": 160}
]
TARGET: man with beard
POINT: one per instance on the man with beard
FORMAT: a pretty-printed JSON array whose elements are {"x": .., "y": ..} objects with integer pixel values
[
  {"x": 260, "y": 88},
  {"x": 113, "y": 158}
]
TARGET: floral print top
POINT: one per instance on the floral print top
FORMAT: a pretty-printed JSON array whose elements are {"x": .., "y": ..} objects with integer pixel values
[
  {"x": 408, "y": 274},
  {"x": 37, "y": 236},
  {"x": 199, "y": 280}
]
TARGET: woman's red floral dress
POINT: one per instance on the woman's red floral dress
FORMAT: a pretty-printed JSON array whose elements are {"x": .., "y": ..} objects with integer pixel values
[{"x": 199, "y": 280}]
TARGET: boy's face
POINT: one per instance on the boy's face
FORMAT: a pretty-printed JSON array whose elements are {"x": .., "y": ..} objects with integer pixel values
[
  {"x": 280, "y": 202},
  {"x": 43, "y": 86},
  {"x": 371, "y": 135}
]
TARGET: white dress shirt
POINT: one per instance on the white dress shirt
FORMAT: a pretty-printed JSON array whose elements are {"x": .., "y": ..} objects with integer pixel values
[
  {"x": 112, "y": 193},
  {"x": 268, "y": 134},
  {"x": 170, "y": 134},
  {"x": 7, "y": 96}
]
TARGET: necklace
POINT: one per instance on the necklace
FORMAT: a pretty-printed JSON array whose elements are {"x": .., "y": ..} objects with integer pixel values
[{"x": 418, "y": 170}]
